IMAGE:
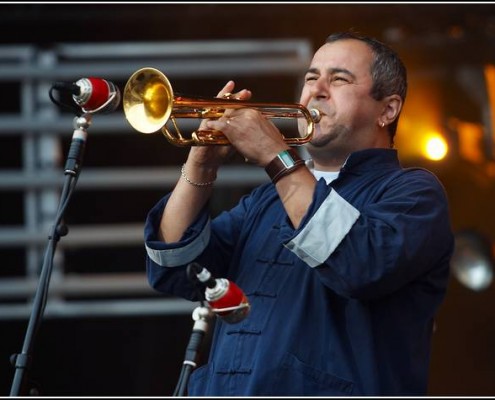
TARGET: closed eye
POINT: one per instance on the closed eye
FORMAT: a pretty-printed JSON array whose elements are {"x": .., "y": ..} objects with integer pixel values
[
  {"x": 311, "y": 78},
  {"x": 340, "y": 79}
]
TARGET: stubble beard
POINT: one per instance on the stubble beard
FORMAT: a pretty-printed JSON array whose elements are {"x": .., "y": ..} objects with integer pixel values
[
  {"x": 326, "y": 139},
  {"x": 331, "y": 145}
]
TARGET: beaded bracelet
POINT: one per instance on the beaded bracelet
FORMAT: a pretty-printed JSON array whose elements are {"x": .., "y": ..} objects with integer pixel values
[{"x": 197, "y": 184}]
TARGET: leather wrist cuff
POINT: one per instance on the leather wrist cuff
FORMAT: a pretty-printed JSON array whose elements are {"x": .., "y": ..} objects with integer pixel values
[{"x": 283, "y": 164}]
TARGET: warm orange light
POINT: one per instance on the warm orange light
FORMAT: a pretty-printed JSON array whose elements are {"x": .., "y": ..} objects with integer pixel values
[
  {"x": 421, "y": 140},
  {"x": 420, "y": 133},
  {"x": 490, "y": 86},
  {"x": 470, "y": 136},
  {"x": 435, "y": 147}
]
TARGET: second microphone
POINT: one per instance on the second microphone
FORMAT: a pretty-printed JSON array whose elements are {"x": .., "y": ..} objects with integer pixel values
[{"x": 224, "y": 297}]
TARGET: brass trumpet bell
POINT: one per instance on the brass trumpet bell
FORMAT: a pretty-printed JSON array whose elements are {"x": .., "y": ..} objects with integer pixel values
[{"x": 150, "y": 104}]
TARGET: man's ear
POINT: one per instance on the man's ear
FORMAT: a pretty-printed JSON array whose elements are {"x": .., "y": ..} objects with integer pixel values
[{"x": 392, "y": 107}]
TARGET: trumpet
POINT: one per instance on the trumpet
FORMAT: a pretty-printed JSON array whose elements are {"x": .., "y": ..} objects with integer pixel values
[{"x": 150, "y": 105}]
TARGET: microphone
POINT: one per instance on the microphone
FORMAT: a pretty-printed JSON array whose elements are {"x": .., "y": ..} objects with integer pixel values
[
  {"x": 225, "y": 298},
  {"x": 93, "y": 94}
]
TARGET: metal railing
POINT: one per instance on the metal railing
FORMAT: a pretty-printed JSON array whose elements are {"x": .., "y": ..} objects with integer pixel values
[{"x": 41, "y": 129}]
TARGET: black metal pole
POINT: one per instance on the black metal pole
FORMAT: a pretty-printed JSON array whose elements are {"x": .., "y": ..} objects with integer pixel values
[
  {"x": 22, "y": 362},
  {"x": 201, "y": 315}
]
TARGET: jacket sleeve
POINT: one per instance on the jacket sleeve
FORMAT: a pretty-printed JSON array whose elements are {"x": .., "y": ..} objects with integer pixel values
[
  {"x": 211, "y": 244},
  {"x": 371, "y": 250}
]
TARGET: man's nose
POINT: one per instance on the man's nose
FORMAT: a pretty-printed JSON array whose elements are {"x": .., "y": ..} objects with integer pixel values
[{"x": 320, "y": 89}]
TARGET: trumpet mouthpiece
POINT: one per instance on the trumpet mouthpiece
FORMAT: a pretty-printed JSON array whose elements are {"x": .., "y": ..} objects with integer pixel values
[{"x": 315, "y": 115}]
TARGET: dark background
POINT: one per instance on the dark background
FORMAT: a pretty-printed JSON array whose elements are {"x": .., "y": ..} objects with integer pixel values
[{"x": 142, "y": 356}]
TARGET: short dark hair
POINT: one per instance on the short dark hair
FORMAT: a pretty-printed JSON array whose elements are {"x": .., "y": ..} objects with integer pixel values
[{"x": 388, "y": 72}]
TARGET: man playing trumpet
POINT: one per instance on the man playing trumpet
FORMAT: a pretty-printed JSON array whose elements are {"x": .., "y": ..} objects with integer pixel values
[{"x": 344, "y": 257}]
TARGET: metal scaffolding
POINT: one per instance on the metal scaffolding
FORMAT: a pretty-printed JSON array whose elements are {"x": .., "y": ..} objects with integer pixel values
[{"x": 41, "y": 128}]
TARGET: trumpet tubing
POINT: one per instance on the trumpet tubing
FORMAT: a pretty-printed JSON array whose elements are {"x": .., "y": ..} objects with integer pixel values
[{"x": 150, "y": 104}]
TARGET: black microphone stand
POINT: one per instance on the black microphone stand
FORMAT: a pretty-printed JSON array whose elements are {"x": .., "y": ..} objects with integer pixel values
[
  {"x": 201, "y": 315},
  {"x": 22, "y": 361}
]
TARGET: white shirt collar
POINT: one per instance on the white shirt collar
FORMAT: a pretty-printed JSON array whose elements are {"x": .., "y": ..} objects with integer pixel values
[{"x": 329, "y": 176}]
